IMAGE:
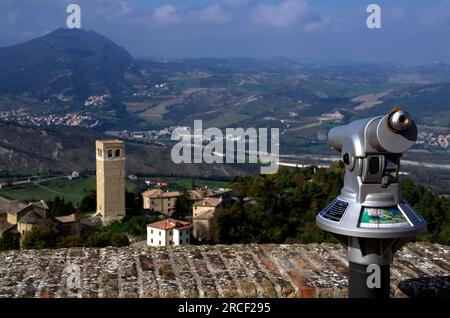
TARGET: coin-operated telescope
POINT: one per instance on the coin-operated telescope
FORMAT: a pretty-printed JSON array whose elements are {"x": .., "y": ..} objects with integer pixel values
[{"x": 369, "y": 217}]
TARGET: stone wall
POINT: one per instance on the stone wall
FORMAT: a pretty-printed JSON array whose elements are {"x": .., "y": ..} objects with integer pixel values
[{"x": 313, "y": 270}]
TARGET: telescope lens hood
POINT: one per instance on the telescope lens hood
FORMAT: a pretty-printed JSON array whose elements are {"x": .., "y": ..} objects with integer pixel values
[{"x": 400, "y": 121}]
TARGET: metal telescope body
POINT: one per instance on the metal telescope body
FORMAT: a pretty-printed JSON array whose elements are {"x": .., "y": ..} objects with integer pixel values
[{"x": 369, "y": 217}]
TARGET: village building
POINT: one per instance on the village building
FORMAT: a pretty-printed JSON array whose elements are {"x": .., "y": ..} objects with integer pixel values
[
  {"x": 74, "y": 175},
  {"x": 168, "y": 232},
  {"x": 68, "y": 224},
  {"x": 20, "y": 218},
  {"x": 157, "y": 200},
  {"x": 199, "y": 194},
  {"x": 202, "y": 214}
]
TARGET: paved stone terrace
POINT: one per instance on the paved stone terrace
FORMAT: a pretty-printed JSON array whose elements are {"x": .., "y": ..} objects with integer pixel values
[{"x": 313, "y": 270}]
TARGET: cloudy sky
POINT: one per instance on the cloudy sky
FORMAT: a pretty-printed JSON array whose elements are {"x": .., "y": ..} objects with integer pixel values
[{"x": 413, "y": 31}]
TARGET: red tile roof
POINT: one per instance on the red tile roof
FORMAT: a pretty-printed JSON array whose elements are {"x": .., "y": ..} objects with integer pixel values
[
  {"x": 169, "y": 224},
  {"x": 209, "y": 202},
  {"x": 157, "y": 193},
  {"x": 66, "y": 219}
]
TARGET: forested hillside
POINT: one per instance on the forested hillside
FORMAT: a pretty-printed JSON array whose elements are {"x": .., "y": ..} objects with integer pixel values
[{"x": 281, "y": 208}]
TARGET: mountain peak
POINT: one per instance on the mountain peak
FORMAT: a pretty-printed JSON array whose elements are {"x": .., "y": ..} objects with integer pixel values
[{"x": 75, "y": 61}]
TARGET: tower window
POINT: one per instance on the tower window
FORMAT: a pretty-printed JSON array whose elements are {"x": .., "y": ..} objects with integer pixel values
[
  {"x": 109, "y": 153},
  {"x": 117, "y": 152}
]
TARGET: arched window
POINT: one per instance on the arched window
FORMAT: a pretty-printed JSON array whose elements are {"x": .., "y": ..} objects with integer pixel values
[
  {"x": 117, "y": 152},
  {"x": 109, "y": 153}
]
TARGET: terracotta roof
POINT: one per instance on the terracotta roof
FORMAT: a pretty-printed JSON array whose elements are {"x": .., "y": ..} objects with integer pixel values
[
  {"x": 13, "y": 207},
  {"x": 66, "y": 218},
  {"x": 40, "y": 204},
  {"x": 4, "y": 226},
  {"x": 10, "y": 206},
  {"x": 169, "y": 224},
  {"x": 204, "y": 215},
  {"x": 157, "y": 193},
  {"x": 198, "y": 194},
  {"x": 31, "y": 218},
  {"x": 209, "y": 202}
]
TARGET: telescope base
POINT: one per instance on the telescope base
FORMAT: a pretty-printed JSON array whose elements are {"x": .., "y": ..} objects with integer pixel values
[{"x": 364, "y": 282}]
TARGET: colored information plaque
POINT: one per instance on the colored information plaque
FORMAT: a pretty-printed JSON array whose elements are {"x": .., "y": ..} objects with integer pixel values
[{"x": 383, "y": 218}]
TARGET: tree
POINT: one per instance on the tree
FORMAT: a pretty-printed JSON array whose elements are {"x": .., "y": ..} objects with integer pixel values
[
  {"x": 131, "y": 201},
  {"x": 59, "y": 207},
  {"x": 43, "y": 235},
  {"x": 9, "y": 241},
  {"x": 88, "y": 203},
  {"x": 183, "y": 206},
  {"x": 104, "y": 239},
  {"x": 69, "y": 241}
]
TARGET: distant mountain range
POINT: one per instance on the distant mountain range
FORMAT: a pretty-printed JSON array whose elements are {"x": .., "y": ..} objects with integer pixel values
[{"x": 80, "y": 63}]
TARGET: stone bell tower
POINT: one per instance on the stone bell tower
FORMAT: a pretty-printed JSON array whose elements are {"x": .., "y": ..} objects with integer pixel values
[{"x": 110, "y": 179}]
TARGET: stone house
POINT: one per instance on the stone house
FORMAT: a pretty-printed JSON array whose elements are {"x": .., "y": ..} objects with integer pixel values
[
  {"x": 202, "y": 214},
  {"x": 160, "y": 201},
  {"x": 20, "y": 218},
  {"x": 68, "y": 224}
]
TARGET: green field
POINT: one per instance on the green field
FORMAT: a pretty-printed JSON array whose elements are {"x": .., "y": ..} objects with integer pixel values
[
  {"x": 71, "y": 190},
  {"x": 76, "y": 190},
  {"x": 180, "y": 184}
]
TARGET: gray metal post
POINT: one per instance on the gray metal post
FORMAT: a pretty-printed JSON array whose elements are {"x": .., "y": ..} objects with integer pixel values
[{"x": 359, "y": 287}]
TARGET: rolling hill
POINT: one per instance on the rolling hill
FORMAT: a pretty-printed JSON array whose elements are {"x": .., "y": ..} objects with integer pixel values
[{"x": 68, "y": 62}]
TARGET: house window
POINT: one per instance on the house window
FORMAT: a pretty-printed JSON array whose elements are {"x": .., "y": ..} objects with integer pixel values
[
  {"x": 151, "y": 231},
  {"x": 159, "y": 242},
  {"x": 117, "y": 152},
  {"x": 151, "y": 240},
  {"x": 170, "y": 232},
  {"x": 187, "y": 240},
  {"x": 159, "y": 233},
  {"x": 110, "y": 153},
  {"x": 181, "y": 241}
]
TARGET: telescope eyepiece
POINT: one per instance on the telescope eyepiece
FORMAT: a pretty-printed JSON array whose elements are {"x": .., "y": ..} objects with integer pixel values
[{"x": 400, "y": 121}]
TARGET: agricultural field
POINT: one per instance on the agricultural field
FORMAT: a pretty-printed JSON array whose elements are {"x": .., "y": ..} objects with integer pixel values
[
  {"x": 71, "y": 190},
  {"x": 75, "y": 190}
]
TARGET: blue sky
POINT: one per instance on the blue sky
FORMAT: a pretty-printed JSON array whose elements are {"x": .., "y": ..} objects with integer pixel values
[{"x": 413, "y": 32}]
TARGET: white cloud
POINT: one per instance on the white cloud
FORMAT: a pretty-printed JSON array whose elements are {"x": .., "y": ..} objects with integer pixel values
[
  {"x": 213, "y": 14},
  {"x": 285, "y": 14},
  {"x": 167, "y": 15}
]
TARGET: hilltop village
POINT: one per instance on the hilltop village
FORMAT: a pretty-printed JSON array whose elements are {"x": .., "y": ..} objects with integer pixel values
[{"x": 179, "y": 217}]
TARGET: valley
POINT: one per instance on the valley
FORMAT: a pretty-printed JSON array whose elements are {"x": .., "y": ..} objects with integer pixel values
[{"x": 96, "y": 89}]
